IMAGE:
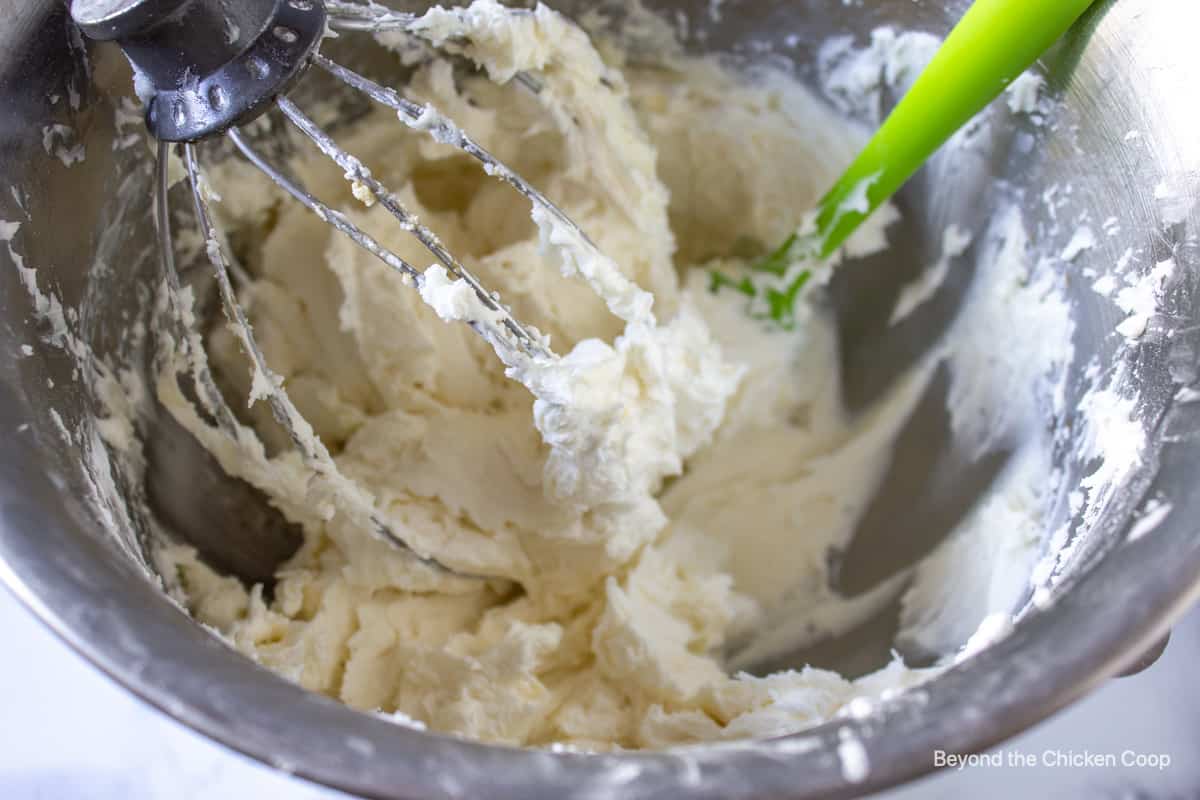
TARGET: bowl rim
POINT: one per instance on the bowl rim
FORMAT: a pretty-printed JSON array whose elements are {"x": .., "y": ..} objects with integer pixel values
[
  {"x": 118, "y": 619},
  {"x": 132, "y": 635}
]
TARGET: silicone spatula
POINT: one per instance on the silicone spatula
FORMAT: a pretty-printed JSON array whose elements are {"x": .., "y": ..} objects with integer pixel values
[{"x": 995, "y": 42}]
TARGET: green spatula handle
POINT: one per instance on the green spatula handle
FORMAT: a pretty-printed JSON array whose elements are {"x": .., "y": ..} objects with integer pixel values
[{"x": 994, "y": 43}]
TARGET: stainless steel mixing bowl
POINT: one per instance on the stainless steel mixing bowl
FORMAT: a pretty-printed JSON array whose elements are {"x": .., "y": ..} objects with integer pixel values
[{"x": 73, "y": 553}]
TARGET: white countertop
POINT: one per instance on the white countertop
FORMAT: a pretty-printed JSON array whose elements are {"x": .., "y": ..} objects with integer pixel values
[{"x": 69, "y": 732}]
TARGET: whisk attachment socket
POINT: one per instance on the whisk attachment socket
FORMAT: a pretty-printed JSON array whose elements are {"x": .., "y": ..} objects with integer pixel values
[{"x": 204, "y": 66}]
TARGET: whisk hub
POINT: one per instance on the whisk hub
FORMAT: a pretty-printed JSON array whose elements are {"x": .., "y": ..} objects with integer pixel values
[{"x": 207, "y": 65}]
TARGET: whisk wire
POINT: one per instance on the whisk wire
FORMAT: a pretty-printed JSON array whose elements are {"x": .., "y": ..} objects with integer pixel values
[
  {"x": 209, "y": 394},
  {"x": 325, "y": 212},
  {"x": 309, "y": 445},
  {"x": 366, "y": 17},
  {"x": 443, "y": 130},
  {"x": 357, "y": 172}
]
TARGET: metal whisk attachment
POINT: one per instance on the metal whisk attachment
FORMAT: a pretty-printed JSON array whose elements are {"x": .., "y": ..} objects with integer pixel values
[{"x": 205, "y": 67}]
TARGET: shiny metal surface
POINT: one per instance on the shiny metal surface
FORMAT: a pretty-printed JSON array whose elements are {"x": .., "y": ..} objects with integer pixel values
[
  {"x": 74, "y": 555},
  {"x": 205, "y": 65}
]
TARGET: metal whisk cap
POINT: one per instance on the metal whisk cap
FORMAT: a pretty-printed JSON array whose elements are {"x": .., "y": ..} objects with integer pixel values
[{"x": 207, "y": 65}]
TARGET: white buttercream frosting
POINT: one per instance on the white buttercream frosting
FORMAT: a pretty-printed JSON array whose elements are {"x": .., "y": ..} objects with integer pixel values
[{"x": 675, "y": 477}]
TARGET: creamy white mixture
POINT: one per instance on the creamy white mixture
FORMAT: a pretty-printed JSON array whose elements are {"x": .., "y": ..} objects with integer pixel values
[
  {"x": 668, "y": 487},
  {"x": 606, "y": 622}
]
